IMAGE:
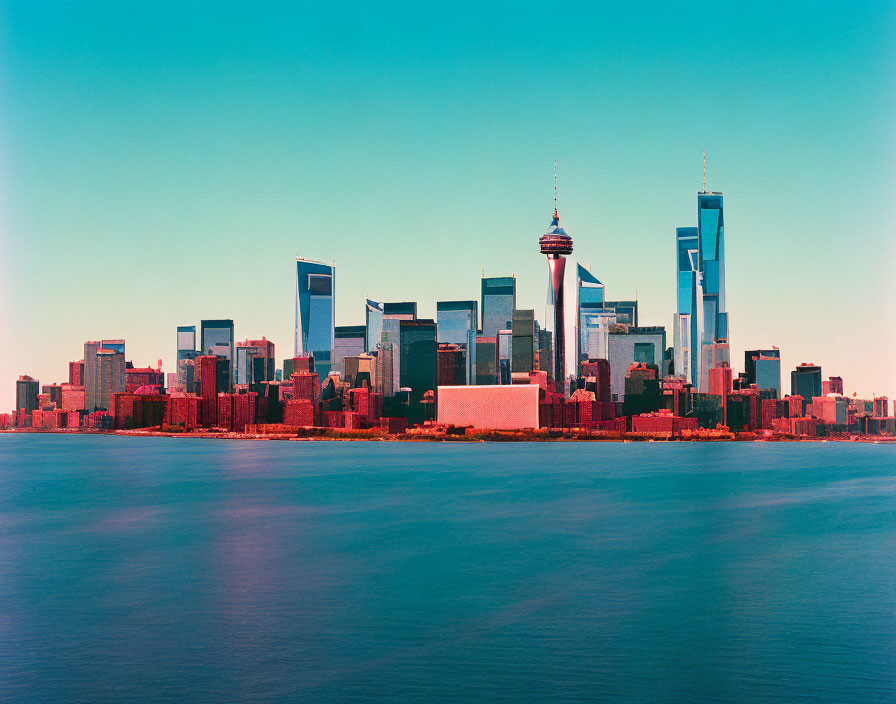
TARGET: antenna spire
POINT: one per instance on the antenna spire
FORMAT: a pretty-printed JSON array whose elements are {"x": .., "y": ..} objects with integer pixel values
[
  {"x": 704, "y": 170},
  {"x": 555, "y": 188}
]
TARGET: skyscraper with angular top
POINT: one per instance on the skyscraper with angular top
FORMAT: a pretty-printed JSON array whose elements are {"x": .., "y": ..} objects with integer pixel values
[
  {"x": 315, "y": 323},
  {"x": 687, "y": 333}
]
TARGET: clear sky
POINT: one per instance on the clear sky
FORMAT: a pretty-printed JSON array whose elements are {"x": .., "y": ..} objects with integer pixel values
[{"x": 162, "y": 163}]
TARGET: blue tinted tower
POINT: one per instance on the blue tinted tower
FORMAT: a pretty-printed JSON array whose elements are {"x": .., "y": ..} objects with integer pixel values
[
  {"x": 687, "y": 335},
  {"x": 589, "y": 307},
  {"x": 711, "y": 245},
  {"x": 315, "y": 326}
]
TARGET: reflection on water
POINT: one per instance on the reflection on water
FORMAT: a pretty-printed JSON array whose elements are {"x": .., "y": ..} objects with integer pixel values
[{"x": 147, "y": 569}]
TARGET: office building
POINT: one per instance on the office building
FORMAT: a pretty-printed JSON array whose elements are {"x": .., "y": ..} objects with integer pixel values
[
  {"x": 486, "y": 361},
  {"x": 76, "y": 373},
  {"x": 255, "y": 361},
  {"x": 402, "y": 310},
  {"x": 373, "y": 321},
  {"x": 504, "y": 346},
  {"x": 186, "y": 353},
  {"x": 590, "y": 319},
  {"x": 452, "y": 365},
  {"x": 104, "y": 373},
  {"x": 27, "y": 390},
  {"x": 687, "y": 334},
  {"x": 523, "y": 344},
  {"x": 217, "y": 339},
  {"x": 626, "y": 312},
  {"x": 498, "y": 304},
  {"x": 633, "y": 345},
  {"x": 458, "y": 323},
  {"x": 711, "y": 242},
  {"x": 766, "y": 372},
  {"x": 805, "y": 381},
  {"x": 348, "y": 341},
  {"x": 315, "y": 301},
  {"x": 418, "y": 350}
]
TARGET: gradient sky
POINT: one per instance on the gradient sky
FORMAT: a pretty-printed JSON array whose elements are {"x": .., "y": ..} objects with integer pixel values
[{"x": 163, "y": 163}]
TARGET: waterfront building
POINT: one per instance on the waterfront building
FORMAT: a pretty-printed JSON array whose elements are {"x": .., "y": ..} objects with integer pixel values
[
  {"x": 498, "y": 304},
  {"x": 633, "y": 345},
  {"x": 505, "y": 407},
  {"x": 315, "y": 306},
  {"x": 217, "y": 339},
  {"x": 418, "y": 350},
  {"x": 687, "y": 334},
  {"x": 26, "y": 393}
]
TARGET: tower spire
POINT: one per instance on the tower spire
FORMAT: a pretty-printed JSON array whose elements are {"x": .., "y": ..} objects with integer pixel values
[
  {"x": 704, "y": 169},
  {"x": 555, "y": 188}
]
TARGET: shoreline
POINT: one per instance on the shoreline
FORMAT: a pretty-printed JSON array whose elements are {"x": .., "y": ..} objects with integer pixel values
[{"x": 470, "y": 436}]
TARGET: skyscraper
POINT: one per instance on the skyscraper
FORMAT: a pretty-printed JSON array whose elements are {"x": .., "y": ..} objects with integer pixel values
[
  {"x": 711, "y": 244},
  {"x": 186, "y": 352},
  {"x": 418, "y": 350},
  {"x": 805, "y": 381},
  {"x": 104, "y": 373},
  {"x": 498, "y": 304},
  {"x": 348, "y": 341},
  {"x": 523, "y": 345},
  {"x": 373, "y": 320},
  {"x": 26, "y": 393},
  {"x": 687, "y": 333},
  {"x": 589, "y": 318},
  {"x": 457, "y": 323},
  {"x": 556, "y": 245},
  {"x": 315, "y": 327},
  {"x": 255, "y": 361},
  {"x": 217, "y": 339}
]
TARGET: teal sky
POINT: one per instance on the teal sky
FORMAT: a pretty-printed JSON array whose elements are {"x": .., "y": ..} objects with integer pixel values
[{"x": 165, "y": 162}]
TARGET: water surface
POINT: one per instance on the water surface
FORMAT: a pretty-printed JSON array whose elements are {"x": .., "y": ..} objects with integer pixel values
[{"x": 154, "y": 569}]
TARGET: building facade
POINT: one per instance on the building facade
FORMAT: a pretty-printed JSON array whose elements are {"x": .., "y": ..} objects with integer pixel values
[{"x": 315, "y": 310}]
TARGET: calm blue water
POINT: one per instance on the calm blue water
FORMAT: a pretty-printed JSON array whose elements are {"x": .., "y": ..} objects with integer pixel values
[{"x": 149, "y": 569}]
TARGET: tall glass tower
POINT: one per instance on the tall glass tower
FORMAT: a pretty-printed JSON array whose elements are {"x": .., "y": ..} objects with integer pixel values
[
  {"x": 589, "y": 321},
  {"x": 315, "y": 329},
  {"x": 498, "y": 304},
  {"x": 687, "y": 335},
  {"x": 711, "y": 244}
]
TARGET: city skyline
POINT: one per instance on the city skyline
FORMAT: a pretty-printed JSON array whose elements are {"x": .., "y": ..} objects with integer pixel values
[{"x": 413, "y": 205}]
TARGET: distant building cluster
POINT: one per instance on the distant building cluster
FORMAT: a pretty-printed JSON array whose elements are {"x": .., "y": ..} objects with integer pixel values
[{"x": 482, "y": 364}]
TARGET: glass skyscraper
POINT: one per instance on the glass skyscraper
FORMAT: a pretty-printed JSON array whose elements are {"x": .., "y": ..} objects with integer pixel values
[
  {"x": 457, "y": 323},
  {"x": 589, "y": 321},
  {"x": 711, "y": 242},
  {"x": 687, "y": 333},
  {"x": 373, "y": 319},
  {"x": 315, "y": 327},
  {"x": 418, "y": 367},
  {"x": 498, "y": 304},
  {"x": 217, "y": 339}
]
